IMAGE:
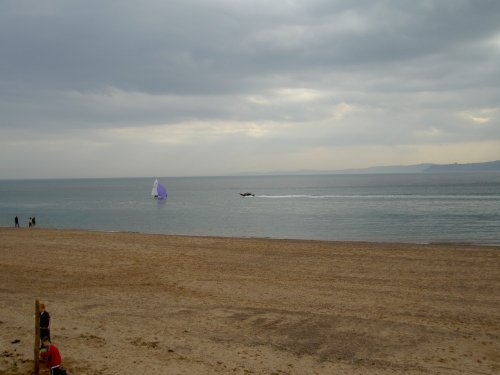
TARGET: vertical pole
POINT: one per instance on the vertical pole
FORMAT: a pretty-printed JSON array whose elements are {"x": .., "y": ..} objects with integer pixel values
[{"x": 37, "y": 337}]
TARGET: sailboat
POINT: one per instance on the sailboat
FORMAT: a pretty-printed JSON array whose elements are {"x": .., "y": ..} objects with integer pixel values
[{"x": 159, "y": 191}]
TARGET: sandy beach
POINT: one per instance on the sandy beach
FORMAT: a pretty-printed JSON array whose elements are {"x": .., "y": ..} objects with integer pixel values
[{"x": 128, "y": 303}]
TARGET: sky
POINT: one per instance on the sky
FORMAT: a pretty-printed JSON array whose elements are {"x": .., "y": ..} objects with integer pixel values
[{"x": 102, "y": 88}]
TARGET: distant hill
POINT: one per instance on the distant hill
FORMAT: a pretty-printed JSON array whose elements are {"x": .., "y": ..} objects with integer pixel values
[{"x": 490, "y": 166}]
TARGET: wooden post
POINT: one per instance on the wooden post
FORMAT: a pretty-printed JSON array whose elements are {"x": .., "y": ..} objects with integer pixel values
[{"x": 37, "y": 337}]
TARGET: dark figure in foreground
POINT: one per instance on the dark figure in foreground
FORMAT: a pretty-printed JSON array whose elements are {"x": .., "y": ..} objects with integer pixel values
[
  {"x": 33, "y": 221},
  {"x": 44, "y": 322},
  {"x": 16, "y": 222},
  {"x": 54, "y": 357}
]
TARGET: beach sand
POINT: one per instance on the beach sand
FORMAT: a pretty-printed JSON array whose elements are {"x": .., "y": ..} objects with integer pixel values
[{"x": 127, "y": 303}]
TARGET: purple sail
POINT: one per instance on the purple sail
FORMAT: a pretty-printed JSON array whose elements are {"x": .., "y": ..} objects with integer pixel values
[{"x": 162, "y": 192}]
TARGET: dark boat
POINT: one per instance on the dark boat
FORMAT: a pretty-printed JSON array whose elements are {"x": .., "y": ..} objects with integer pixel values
[{"x": 247, "y": 195}]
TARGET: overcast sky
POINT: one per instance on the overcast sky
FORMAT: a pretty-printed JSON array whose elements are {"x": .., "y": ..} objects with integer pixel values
[{"x": 101, "y": 88}]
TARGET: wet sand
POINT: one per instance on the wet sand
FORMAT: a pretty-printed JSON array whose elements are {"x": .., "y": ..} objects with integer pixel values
[{"x": 127, "y": 303}]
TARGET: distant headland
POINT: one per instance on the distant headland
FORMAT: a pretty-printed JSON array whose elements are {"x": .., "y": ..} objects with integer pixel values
[{"x": 490, "y": 166}]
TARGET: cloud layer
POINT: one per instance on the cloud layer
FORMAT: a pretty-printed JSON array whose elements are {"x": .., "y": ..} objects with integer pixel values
[{"x": 123, "y": 88}]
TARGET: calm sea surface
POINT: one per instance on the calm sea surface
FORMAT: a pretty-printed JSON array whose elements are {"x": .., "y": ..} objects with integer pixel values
[{"x": 396, "y": 208}]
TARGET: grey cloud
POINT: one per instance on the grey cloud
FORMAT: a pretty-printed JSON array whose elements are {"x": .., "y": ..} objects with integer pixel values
[
  {"x": 186, "y": 47},
  {"x": 416, "y": 71}
]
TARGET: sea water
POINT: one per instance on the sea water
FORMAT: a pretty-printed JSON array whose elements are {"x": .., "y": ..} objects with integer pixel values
[{"x": 417, "y": 208}]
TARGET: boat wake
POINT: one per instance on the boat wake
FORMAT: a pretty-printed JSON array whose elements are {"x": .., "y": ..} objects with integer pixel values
[
  {"x": 297, "y": 196},
  {"x": 395, "y": 196}
]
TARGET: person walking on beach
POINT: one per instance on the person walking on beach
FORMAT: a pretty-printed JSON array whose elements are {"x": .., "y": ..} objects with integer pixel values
[
  {"x": 30, "y": 223},
  {"x": 53, "y": 355},
  {"x": 33, "y": 221},
  {"x": 16, "y": 222},
  {"x": 44, "y": 322}
]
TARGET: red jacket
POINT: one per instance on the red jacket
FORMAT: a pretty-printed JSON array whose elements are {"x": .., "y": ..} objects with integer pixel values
[{"x": 53, "y": 355}]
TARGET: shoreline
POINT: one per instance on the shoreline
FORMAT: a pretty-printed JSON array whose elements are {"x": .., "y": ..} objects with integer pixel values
[
  {"x": 126, "y": 302},
  {"x": 439, "y": 243}
]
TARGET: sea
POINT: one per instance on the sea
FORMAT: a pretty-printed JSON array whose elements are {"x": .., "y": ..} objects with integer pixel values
[{"x": 411, "y": 208}]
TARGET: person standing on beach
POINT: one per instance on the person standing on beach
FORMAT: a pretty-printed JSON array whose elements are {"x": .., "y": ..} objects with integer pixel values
[
  {"x": 33, "y": 221},
  {"x": 53, "y": 355},
  {"x": 44, "y": 322},
  {"x": 30, "y": 223},
  {"x": 16, "y": 222}
]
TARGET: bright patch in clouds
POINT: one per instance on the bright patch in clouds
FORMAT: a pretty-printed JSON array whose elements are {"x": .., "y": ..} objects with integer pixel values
[
  {"x": 482, "y": 116},
  {"x": 340, "y": 111},
  {"x": 287, "y": 95},
  {"x": 299, "y": 95},
  {"x": 192, "y": 132}
]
